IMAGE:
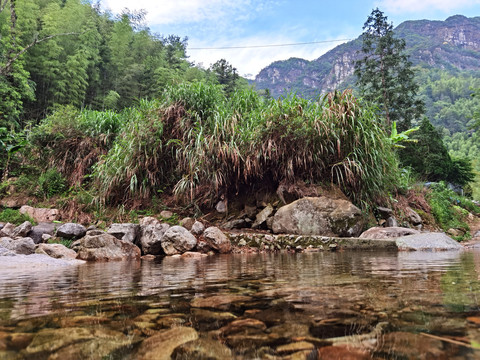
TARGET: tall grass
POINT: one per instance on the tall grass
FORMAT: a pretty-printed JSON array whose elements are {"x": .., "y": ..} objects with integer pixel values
[{"x": 200, "y": 144}]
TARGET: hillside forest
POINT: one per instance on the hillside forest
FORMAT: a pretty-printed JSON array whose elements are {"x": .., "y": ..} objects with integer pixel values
[{"x": 97, "y": 111}]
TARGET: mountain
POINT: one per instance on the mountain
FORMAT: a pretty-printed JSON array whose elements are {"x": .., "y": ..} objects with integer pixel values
[{"x": 451, "y": 45}]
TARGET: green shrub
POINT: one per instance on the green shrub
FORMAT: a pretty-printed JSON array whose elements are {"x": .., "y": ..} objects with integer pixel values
[
  {"x": 447, "y": 208},
  {"x": 14, "y": 217},
  {"x": 51, "y": 183}
]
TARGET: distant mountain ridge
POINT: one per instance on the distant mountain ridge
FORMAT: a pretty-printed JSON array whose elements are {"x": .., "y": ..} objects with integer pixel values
[{"x": 451, "y": 45}]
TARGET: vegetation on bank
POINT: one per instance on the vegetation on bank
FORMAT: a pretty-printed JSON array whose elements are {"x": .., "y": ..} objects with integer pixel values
[{"x": 199, "y": 144}]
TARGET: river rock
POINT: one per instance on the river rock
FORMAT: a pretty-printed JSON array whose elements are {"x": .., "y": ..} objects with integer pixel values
[
  {"x": 404, "y": 345},
  {"x": 187, "y": 223},
  {"x": 222, "y": 302},
  {"x": 202, "y": 349},
  {"x": 24, "y": 246},
  {"x": 6, "y": 252},
  {"x": 391, "y": 222},
  {"x": 262, "y": 216},
  {"x": 427, "y": 241},
  {"x": 177, "y": 240},
  {"x": 412, "y": 216},
  {"x": 319, "y": 216},
  {"x": 125, "y": 232},
  {"x": 242, "y": 325},
  {"x": 57, "y": 251},
  {"x": 71, "y": 231},
  {"x": 49, "y": 341},
  {"x": 197, "y": 228},
  {"x": 388, "y": 232},
  {"x": 235, "y": 224},
  {"x": 40, "y": 214},
  {"x": 217, "y": 240},
  {"x": 151, "y": 237},
  {"x": 105, "y": 247},
  {"x": 161, "y": 345},
  {"x": 7, "y": 230},
  {"x": 346, "y": 352},
  {"x": 22, "y": 230},
  {"x": 41, "y": 229}
]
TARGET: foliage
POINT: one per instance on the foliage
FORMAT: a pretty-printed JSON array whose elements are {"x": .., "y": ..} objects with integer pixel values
[
  {"x": 448, "y": 208},
  {"x": 429, "y": 157},
  {"x": 225, "y": 74},
  {"x": 202, "y": 144},
  {"x": 10, "y": 144},
  {"x": 396, "y": 138},
  {"x": 385, "y": 75},
  {"x": 51, "y": 183},
  {"x": 14, "y": 217}
]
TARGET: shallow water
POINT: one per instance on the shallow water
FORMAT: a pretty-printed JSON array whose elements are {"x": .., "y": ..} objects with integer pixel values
[{"x": 369, "y": 305}]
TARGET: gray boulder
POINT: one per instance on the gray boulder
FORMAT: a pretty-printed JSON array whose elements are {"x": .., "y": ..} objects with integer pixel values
[
  {"x": 319, "y": 216},
  {"x": 22, "y": 230},
  {"x": 105, "y": 247},
  {"x": 71, "y": 231},
  {"x": 413, "y": 217},
  {"x": 217, "y": 240},
  {"x": 41, "y": 229},
  {"x": 57, "y": 251},
  {"x": 197, "y": 228},
  {"x": 7, "y": 230},
  {"x": 387, "y": 233},
  {"x": 178, "y": 240},
  {"x": 24, "y": 246},
  {"x": 6, "y": 252},
  {"x": 262, "y": 216},
  {"x": 125, "y": 232},
  {"x": 151, "y": 238},
  {"x": 427, "y": 241}
]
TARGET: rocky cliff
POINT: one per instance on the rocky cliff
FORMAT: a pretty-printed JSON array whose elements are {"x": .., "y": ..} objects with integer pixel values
[{"x": 453, "y": 44}]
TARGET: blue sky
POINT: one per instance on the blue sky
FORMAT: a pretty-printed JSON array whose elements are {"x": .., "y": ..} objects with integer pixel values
[{"x": 226, "y": 23}]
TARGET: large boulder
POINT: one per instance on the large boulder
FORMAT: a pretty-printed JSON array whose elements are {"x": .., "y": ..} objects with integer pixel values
[
  {"x": 427, "y": 241},
  {"x": 178, "y": 240},
  {"x": 41, "y": 229},
  {"x": 125, "y": 232},
  {"x": 413, "y": 217},
  {"x": 57, "y": 251},
  {"x": 71, "y": 231},
  {"x": 151, "y": 236},
  {"x": 40, "y": 214},
  {"x": 24, "y": 246},
  {"x": 388, "y": 232},
  {"x": 217, "y": 240},
  {"x": 318, "y": 216},
  {"x": 104, "y": 247}
]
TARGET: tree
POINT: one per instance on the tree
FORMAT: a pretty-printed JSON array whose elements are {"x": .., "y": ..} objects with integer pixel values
[
  {"x": 226, "y": 75},
  {"x": 429, "y": 157},
  {"x": 384, "y": 74}
]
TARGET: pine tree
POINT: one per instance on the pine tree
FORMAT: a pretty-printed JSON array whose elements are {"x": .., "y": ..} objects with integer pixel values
[{"x": 385, "y": 76}]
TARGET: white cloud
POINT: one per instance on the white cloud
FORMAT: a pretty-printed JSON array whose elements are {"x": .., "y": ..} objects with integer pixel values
[
  {"x": 250, "y": 61},
  {"x": 412, "y": 6}
]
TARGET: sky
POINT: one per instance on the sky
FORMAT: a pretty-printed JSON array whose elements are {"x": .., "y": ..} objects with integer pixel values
[{"x": 213, "y": 24}]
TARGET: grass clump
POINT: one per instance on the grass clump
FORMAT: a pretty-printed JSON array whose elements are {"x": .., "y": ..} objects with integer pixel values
[
  {"x": 14, "y": 217},
  {"x": 65, "y": 242},
  {"x": 51, "y": 183},
  {"x": 200, "y": 144}
]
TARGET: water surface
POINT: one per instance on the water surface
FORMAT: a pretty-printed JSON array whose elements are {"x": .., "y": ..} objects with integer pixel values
[{"x": 407, "y": 305}]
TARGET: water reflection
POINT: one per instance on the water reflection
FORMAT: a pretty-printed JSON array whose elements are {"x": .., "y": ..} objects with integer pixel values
[{"x": 328, "y": 295}]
